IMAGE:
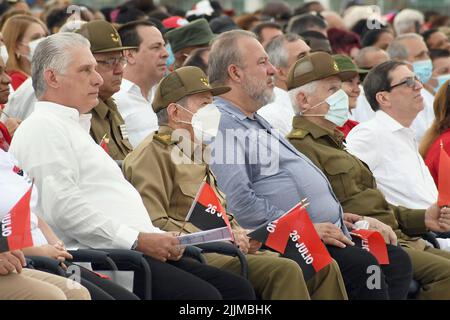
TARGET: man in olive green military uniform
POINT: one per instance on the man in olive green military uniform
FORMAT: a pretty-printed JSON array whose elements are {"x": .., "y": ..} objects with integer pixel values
[
  {"x": 315, "y": 134},
  {"x": 168, "y": 171},
  {"x": 107, "y": 126}
]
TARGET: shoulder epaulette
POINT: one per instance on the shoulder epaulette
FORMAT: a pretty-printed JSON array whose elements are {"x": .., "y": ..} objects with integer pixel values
[
  {"x": 297, "y": 134},
  {"x": 164, "y": 138}
]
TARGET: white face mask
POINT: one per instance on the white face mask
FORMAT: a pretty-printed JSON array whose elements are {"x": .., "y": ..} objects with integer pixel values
[
  {"x": 4, "y": 53},
  {"x": 205, "y": 122},
  {"x": 33, "y": 45},
  {"x": 338, "y": 112}
]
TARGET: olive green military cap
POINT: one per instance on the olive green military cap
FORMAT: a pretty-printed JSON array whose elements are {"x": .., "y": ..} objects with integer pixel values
[
  {"x": 312, "y": 67},
  {"x": 195, "y": 33},
  {"x": 183, "y": 82},
  {"x": 103, "y": 36},
  {"x": 347, "y": 68}
]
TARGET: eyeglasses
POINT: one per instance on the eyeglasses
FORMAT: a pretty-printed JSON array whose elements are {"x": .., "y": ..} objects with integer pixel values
[
  {"x": 113, "y": 62},
  {"x": 410, "y": 82}
]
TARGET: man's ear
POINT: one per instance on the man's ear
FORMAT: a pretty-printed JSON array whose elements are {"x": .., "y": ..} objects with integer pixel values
[
  {"x": 130, "y": 55},
  {"x": 235, "y": 73},
  {"x": 172, "y": 112},
  {"x": 282, "y": 74},
  {"x": 302, "y": 102},
  {"x": 51, "y": 79},
  {"x": 383, "y": 99}
]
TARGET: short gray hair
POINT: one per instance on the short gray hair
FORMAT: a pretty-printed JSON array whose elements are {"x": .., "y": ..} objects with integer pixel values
[
  {"x": 163, "y": 116},
  {"x": 361, "y": 56},
  {"x": 397, "y": 50},
  {"x": 225, "y": 52},
  {"x": 276, "y": 49},
  {"x": 54, "y": 53},
  {"x": 407, "y": 19},
  {"x": 306, "y": 88}
]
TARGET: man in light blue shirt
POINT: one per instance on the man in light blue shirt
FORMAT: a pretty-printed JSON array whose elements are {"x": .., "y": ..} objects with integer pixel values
[{"x": 263, "y": 175}]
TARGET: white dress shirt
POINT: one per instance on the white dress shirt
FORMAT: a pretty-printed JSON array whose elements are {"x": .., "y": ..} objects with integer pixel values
[
  {"x": 83, "y": 194},
  {"x": 136, "y": 111},
  {"x": 280, "y": 112},
  {"x": 391, "y": 152},
  {"x": 21, "y": 102},
  {"x": 363, "y": 112}
]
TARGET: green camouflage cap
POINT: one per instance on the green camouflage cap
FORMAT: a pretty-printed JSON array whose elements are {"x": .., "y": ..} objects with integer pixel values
[
  {"x": 196, "y": 33},
  {"x": 347, "y": 67},
  {"x": 103, "y": 37},
  {"x": 312, "y": 67},
  {"x": 183, "y": 82}
]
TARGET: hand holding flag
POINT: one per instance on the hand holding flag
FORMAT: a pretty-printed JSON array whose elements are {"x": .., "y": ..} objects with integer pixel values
[
  {"x": 104, "y": 143},
  {"x": 294, "y": 236}
]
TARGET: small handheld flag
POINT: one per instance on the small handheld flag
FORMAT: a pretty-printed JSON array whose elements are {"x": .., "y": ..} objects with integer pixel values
[
  {"x": 294, "y": 236},
  {"x": 206, "y": 211},
  {"x": 372, "y": 241},
  {"x": 16, "y": 226}
]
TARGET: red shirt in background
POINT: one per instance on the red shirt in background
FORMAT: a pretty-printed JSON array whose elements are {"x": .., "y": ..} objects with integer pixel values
[
  {"x": 17, "y": 78},
  {"x": 5, "y": 138},
  {"x": 432, "y": 156},
  {"x": 348, "y": 126}
]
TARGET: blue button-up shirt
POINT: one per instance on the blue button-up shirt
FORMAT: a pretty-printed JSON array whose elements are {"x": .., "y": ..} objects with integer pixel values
[{"x": 263, "y": 175}]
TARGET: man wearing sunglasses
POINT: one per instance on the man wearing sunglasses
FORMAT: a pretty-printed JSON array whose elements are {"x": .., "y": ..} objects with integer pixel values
[{"x": 107, "y": 125}]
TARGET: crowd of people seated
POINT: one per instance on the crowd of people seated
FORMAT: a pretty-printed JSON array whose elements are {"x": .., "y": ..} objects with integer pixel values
[{"x": 111, "y": 121}]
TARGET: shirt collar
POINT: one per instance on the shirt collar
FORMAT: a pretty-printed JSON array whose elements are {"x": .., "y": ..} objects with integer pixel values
[
  {"x": 388, "y": 122},
  {"x": 130, "y": 86},
  {"x": 300, "y": 122},
  {"x": 66, "y": 112},
  {"x": 58, "y": 109},
  {"x": 229, "y": 107},
  {"x": 104, "y": 107}
]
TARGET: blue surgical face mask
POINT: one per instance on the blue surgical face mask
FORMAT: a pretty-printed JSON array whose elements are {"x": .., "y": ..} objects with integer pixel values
[
  {"x": 423, "y": 70},
  {"x": 338, "y": 112},
  {"x": 441, "y": 80},
  {"x": 171, "y": 59}
]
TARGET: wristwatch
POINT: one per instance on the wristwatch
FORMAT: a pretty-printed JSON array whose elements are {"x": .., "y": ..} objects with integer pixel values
[{"x": 135, "y": 244}]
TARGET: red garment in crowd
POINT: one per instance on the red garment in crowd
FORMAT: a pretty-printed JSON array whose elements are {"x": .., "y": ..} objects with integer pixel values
[
  {"x": 432, "y": 156},
  {"x": 17, "y": 78},
  {"x": 5, "y": 138},
  {"x": 348, "y": 126}
]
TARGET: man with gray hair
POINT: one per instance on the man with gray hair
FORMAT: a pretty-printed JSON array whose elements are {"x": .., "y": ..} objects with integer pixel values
[
  {"x": 367, "y": 58},
  {"x": 84, "y": 196},
  {"x": 257, "y": 195},
  {"x": 411, "y": 48},
  {"x": 283, "y": 51},
  {"x": 407, "y": 21}
]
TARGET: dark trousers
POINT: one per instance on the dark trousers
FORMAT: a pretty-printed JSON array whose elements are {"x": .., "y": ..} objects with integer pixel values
[
  {"x": 359, "y": 269},
  {"x": 188, "y": 279},
  {"x": 103, "y": 289}
]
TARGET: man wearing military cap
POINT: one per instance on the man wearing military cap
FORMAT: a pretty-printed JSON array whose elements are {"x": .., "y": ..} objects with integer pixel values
[
  {"x": 107, "y": 125},
  {"x": 315, "y": 134},
  {"x": 167, "y": 171},
  {"x": 183, "y": 40},
  {"x": 257, "y": 193}
]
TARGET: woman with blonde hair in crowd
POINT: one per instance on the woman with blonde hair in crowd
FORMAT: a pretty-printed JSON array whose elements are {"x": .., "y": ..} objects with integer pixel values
[
  {"x": 438, "y": 133},
  {"x": 18, "y": 32}
]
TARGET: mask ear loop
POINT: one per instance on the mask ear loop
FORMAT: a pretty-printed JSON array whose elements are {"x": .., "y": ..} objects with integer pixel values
[
  {"x": 315, "y": 115},
  {"x": 182, "y": 121}
]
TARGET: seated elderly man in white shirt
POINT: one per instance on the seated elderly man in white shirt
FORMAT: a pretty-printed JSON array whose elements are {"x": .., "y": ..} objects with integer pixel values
[
  {"x": 146, "y": 67},
  {"x": 84, "y": 196},
  {"x": 283, "y": 51},
  {"x": 387, "y": 144}
]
